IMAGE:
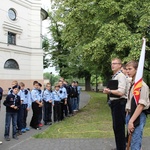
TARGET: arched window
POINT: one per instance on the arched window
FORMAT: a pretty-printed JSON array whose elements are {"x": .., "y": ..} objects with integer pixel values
[{"x": 11, "y": 64}]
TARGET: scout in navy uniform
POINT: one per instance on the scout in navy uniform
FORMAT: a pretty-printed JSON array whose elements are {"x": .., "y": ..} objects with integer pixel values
[
  {"x": 10, "y": 90},
  {"x": 35, "y": 106},
  {"x": 56, "y": 102},
  {"x": 47, "y": 99},
  {"x": 63, "y": 96},
  {"x": 25, "y": 107},
  {"x": 15, "y": 83},
  {"x": 12, "y": 104},
  {"x": 73, "y": 97},
  {"x": 41, "y": 100}
]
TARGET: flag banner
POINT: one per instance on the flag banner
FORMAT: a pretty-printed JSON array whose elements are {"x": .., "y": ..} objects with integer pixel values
[
  {"x": 138, "y": 82},
  {"x": 139, "y": 74}
]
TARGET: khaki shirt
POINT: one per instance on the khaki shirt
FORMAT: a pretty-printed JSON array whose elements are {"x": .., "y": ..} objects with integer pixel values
[
  {"x": 144, "y": 97},
  {"x": 123, "y": 85}
]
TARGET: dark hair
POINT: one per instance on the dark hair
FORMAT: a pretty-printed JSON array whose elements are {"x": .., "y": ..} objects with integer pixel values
[
  {"x": 40, "y": 84},
  {"x": 35, "y": 82}
]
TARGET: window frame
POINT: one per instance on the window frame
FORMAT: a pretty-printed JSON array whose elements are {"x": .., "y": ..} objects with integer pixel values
[
  {"x": 11, "y": 38},
  {"x": 13, "y": 64}
]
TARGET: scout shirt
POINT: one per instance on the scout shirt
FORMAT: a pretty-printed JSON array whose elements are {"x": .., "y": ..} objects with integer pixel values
[
  {"x": 25, "y": 97},
  {"x": 47, "y": 96},
  {"x": 63, "y": 93},
  {"x": 122, "y": 85},
  {"x": 144, "y": 96},
  {"x": 35, "y": 95},
  {"x": 56, "y": 96}
]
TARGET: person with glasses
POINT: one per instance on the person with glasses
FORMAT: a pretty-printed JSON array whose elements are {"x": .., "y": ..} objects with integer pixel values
[{"x": 117, "y": 93}]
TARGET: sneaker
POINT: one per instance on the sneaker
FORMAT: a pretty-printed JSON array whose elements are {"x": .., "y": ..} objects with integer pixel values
[
  {"x": 49, "y": 123},
  {"x": 38, "y": 128},
  {"x": 27, "y": 129},
  {"x": 1, "y": 142},
  {"x": 7, "y": 138},
  {"x": 15, "y": 137},
  {"x": 23, "y": 130},
  {"x": 40, "y": 125}
]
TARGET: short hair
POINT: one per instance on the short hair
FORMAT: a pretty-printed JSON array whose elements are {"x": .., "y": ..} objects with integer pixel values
[
  {"x": 124, "y": 66},
  {"x": 57, "y": 85},
  {"x": 15, "y": 82},
  {"x": 48, "y": 84},
  {"x": 119, "y": 60},
  {"x": 35, "y": 82},
  {"x": 132, "y": 63},
  {"x": 21, "y": 84}
]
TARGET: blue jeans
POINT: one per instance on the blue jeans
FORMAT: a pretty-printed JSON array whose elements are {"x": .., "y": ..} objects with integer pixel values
[
  {"x": 136, "y": 141},
  {"x": 9, "y": 116},
  {"x": 74, "y": 100}
]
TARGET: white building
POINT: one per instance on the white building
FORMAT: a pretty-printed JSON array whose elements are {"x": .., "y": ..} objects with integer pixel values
[{"x": 21, "y": 54}]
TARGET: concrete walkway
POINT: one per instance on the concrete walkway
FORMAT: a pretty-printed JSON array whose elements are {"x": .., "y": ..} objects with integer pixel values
[{"x": 26, "y": 142}]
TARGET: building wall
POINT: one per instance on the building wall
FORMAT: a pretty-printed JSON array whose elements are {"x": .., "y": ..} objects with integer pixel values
[{"x": 27, "y": 51}]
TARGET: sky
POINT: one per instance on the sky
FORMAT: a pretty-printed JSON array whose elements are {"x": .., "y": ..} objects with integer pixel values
[{"x": 45, "y": 24}]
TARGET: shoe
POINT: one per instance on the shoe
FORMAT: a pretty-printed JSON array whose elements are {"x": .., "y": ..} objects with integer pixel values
[
  {"x": 1, "y": 142},
  {"x": 15, "y": 137},
  {"x": 40, "y": 125},
  {"x": 38, "y": 128},
  {"x": 7, "y": 138},
  {"x": 49, "y": 123},
  {"x": 27, "y": 129},
  {"x": 19, "y": 132},
  {"x": 23, "y": 130},
  {"x": 45, "y": 123}
]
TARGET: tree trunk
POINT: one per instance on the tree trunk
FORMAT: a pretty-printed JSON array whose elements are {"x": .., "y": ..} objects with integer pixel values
[{"x": 88, "y": 82}]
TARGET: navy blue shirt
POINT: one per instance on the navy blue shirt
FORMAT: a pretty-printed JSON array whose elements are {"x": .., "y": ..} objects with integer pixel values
[{"x": 12, "y": 99}]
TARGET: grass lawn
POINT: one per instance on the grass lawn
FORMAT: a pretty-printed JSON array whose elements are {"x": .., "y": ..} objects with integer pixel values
[{"x": 92, "y": 121}]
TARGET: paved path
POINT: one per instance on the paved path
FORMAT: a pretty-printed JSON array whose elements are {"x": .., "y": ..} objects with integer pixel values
[{"x": 26, "y": 142}]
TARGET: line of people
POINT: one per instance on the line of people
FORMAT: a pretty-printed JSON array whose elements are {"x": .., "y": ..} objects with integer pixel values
[{"x": 63, "y": 101}]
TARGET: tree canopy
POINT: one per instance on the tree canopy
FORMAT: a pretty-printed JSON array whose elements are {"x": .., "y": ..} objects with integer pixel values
[{"x": 87, "y": 34}]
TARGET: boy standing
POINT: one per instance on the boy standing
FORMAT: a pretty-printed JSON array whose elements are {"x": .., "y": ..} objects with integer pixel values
[
  {"x": 56, "y": 102},
  {"x": 136, "y": 119},
  {"x": 63, "y": 96},
  {"x": 35, "y": 106},
  {"x": 41, "y": 101},
  {"x": 47, "y": 99},
  {"x": 25, "y": 107},
  {"x": 12, "y": 104}
]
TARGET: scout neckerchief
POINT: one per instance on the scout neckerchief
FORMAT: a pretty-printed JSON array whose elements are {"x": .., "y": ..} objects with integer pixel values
[
  {"x": 116, "y": 74},
  {"x": 57, "y": 93}
]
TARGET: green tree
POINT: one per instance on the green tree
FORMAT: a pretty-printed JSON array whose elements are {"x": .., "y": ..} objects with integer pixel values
[
  {"x": 98, "y": 30},
  {"x": 51, "y": 77}
]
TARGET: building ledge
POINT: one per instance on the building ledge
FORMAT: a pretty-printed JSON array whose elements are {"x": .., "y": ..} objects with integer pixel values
[{"x": 12, "y": 28}]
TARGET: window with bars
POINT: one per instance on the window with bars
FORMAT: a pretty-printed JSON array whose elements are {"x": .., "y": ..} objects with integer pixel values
[
  {"x": 11, "y": 38},
  {"x": 11, "y": 64}
]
